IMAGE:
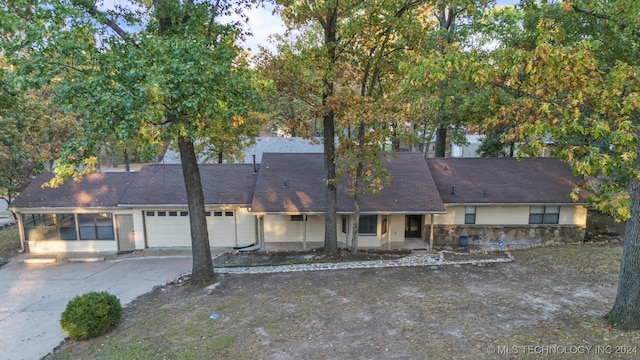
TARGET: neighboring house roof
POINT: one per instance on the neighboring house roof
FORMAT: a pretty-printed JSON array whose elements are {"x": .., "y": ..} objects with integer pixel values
[
  {"x": 95, "y": 190},
  {"x": 504, "y": 180},
  {"x": 293, "y": 183},
  {"x": 222, "y": 184},
  {"x": 272, "y": 144},
  {"x": 265, "y": 144}
]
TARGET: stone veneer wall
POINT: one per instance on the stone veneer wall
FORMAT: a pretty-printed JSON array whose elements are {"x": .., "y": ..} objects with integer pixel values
[{"x": 482, "y": 235}]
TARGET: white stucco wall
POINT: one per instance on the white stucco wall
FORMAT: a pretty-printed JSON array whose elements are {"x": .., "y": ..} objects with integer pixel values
[
  {"x": 396, "y": 227},
  {"x": 508, "y": 215},
  {"x": 499, "y": 215},
  {"x": 573, "y": 215},
  {"x": 280, "y": 228}
]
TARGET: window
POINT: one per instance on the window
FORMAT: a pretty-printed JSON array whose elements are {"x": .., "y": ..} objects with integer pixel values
[
  {"x": 49, "y": 227},
  {"x": 297, "y": 217},
  {"x": 544, "y": 214},
  {"x": 228, "y": 213},
  {"x": 217, "y": 213},
  {"x": 186, "y": 213},
  {"x": 67, "y": 226},
  {"x": 470, "y": 215},
  {"x": 151, "y": 213},
  {"x": 162, "y": 213},
  {"x": 173, "y": 213},
  {"x": 96, "y": 226},
  {"x": 368, "y": 224},
  {"x": 207, "y": 213}
]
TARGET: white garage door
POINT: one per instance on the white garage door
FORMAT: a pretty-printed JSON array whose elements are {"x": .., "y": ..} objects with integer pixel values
[
  {"x": 168, "y": 228},
  {"x": 222, "y": 228}
]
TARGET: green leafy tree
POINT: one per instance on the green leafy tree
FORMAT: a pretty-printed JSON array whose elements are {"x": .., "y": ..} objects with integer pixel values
[
  {"x": 576, "y": 79},
  {"x": 328, "y": 15},
  {"x": 153, "y": 72},
  {"x": 354, "y": 59},
  {"x": 33, "y": 133},
  {"x": 364, "y": 101},
  {"x": 294, "y": 102}
]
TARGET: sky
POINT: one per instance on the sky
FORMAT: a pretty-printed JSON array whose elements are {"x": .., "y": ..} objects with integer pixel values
[{"x": 263, "y": 23}]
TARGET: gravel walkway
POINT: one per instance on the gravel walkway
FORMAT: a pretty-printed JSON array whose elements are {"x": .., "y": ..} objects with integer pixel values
[{"x": 409, "y": 260}]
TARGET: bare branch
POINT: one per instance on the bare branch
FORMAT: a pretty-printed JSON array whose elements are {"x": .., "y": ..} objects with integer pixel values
[
  {"x": 91, "y": 9},
  {"x": 601, "y": 16}
]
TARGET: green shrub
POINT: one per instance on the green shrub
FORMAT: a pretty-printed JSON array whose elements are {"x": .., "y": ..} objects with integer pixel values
[{"x": 90, "y": 315}]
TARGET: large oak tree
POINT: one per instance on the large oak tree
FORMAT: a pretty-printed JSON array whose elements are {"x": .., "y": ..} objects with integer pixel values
[
  {"x": 149, "y": 71},
  {"x": 575, "y": 78}
]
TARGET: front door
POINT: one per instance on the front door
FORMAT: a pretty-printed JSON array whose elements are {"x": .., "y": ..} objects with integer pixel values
[
  {"x": 413, "y": 226},
  {"x": 126, "y": 236}
]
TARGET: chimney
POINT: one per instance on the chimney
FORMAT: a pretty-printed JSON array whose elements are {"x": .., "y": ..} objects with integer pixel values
[{"x": 255, "y": 169}]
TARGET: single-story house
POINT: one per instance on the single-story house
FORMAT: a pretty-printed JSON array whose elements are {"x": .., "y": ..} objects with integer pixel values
[{"x": 282, "y": 200}]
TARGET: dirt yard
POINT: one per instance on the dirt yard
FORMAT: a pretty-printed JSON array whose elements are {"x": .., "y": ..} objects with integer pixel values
[{"x": 548, "y": 303}]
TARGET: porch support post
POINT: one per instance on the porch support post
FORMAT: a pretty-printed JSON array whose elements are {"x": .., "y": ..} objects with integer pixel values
[
  {"x": 431, "y": 235},
  {"x": 304, "y": 232},
  {"x": 261, "y": 239},
  {"x": 388, "y": 236},
  {"x": 22, "y": 235}
]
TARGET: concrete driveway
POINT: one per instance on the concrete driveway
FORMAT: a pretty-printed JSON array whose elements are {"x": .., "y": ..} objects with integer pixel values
[{"x": 32, "y": 296}]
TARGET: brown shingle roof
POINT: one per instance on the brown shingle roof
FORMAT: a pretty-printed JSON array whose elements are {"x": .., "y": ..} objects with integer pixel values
[
  {"x": 223, "y": 184},
  {"x": 504, "y": 180},
  {"x": 99, "y": 189},
  {"x": 293, "y": 183}
]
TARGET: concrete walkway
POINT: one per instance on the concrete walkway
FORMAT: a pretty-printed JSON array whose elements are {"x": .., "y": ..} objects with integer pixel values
[{"x": 34, "y": 291}]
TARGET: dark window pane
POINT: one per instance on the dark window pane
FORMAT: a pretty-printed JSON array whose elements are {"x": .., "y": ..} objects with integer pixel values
[
  {"x": 217, "y": 213},
  {"x": 105, "y": 233},
  {"x": 368, "y": 224},
  {"x": 96, "y": 226},
  {"x": 536, "y": 218},
  {"x": 207, "y": 213},
  {"x": 185, "y": 213},
  {"x": 88, "y": 233},
  {"x": 297, "y": 217},
  {"x": 151, "y": 213},
  {"x": 162, "y": 213},
  {"x": 470, "y": 218},
  {"x": 173, "y": 213},
  {"x": 228, "y": 213},
  {"x": 551, "y": 218}
]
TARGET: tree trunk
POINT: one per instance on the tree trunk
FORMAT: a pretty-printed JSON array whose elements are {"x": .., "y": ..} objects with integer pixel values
[
  {"x": 202, "y": 272},
  {"x": 441, "y": 142},
  {"x": 328, "y": 131},
  {"x": 625, "y": 314},
  {"x": 357, "y": 197},
  {"x": 330, "y": 224},
  {"x": 127, "y": 166}
]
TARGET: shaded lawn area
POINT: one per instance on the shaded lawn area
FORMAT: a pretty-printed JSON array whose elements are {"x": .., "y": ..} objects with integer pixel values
[
  {"x": 9, "y": 243},
  {"x": 548, "y": 303}
]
